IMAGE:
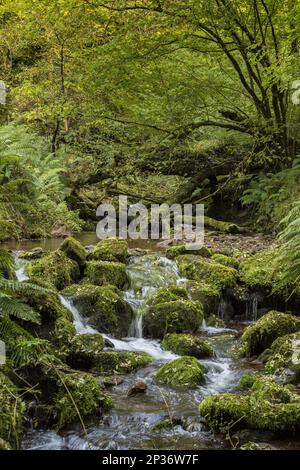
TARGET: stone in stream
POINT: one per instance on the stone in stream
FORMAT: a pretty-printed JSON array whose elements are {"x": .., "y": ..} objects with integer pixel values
[
  {"x": 137, "y": 388},
  {"x": 74, "y": 250},
  {"x": 110, "y": 249},
  {"x": 260, "y": 336},
  {"x": 187, "y": 345},
  {"x": 108, "y": 343},
  {"x": 267, "y": 406},
  {"x": 99, "y": 273},
  {"x": 35, "y": 253},
  {"x": 184, "y": 372}
]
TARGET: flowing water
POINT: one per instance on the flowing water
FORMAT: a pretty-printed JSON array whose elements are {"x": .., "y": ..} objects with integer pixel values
[{"x": 130, "y": 423}]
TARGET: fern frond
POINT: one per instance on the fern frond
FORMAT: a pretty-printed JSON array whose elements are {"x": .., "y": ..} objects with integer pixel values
[{"x": 13, "y": 307}]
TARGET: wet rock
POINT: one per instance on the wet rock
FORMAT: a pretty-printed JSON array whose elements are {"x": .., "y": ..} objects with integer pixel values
[
  {"x": 245, "y": 435},
  {"x": 167, "y": 422},
  {"x": 90, "y": 248},
  {"x": 187, "y": 345},
  {"x": 257, "y": 446},
  {"x": 112, "y": 381},
  {"x": 137, "y": 388},
  {"x": 185, "y": 372},
  {"x": 35, "y": 253},
  {"x": 108, "y": 343},
  {"x": 74, "y": 250}
]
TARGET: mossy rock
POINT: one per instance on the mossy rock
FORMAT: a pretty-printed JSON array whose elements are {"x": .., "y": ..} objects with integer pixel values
[
  {"x": 185, "y": 372},
  {"x": 84, "y": 350},
  {"x": 179, "y": 316},
  {"x": 104, "y": 306},
  {"x": 257, "y": 271},
  {"x": 177, "y": 250},
  {"x": 11, "y": 412},
  {"x": 62, "y": 333},
  {"x": 47, "y": 303},
  {"x": 56, "y": 269},
  {"x": 283, "y": 357},
  {"x": 111, "y": 249},
  {"x": 115, "y": 362},
  {"x": 74, "y": 250},
  {"x": 256, "y": 338},
  {"x": 226, "y": 260},
  {"x": 168, "y": 294},
  {"x": 79, "y": 396},
  {"x": 35, "y": 253},
  {"x": 187, "y": 345},
  {"x": 267, "y": 407},
  {"x": 99, "y": 273},
  {"x": 208, "y": 294},
  {"x": 207, "y": 271},
  {"x": 214, "y": 321}
]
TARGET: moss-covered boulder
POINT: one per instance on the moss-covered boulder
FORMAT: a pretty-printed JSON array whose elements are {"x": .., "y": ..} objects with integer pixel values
[
  {"x": 207, "y": 271},
  {"x": 226, "y": 260},
  {"x": 78, "y": 396},
  {"x": 56, "y": 269},
  {"x": 4, "y": 445},
  {"x": 221, "y": 226},
  {"x": 84, "y": 350},
  {"x": 11, "y": 412},
  {"x": 187, "y": 345},
  {"x": 208, "y": 294},
  {"x": 168, "y": 294},
  {"x": 257, "y": 271},
  {"x": 179, "y": 316},
  {"x": 258, "y": 337},
  {"x": 111, "y": 249},
  {"x": 177, "y": 250},
  {"x": 103, "y": 306},
  {"x": 35, "y": 253},
  {"x": 74, "y": 250},
  {"x": 214, "y": 321},
  {"x": 283, "y": 357},
  {"x": 267, "y": 407},
  {"x": 185, "y": 372},
  {"x": 116, "y": 362},
  {"x": 106, "y": 272}
]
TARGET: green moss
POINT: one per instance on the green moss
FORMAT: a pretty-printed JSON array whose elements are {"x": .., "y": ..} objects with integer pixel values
[
  {"x": 283, "y": 357},
  {"x": 163, "y": 424},
  {"x": 267, "y": 407},
  {"x": 168, "y": 294},
  {"x": 187, "y": 345},
  {"x": 180, "y": 316},
  {"x": 120, "y": 362},
  {"x": 258, "y": 270},
  {"x": 247, "y": 381},
  {"x": 207, "y": 271},
  {"x": 74, "y": 250},
  {"x": 177, "y": 250},
  {"x": 78, "y": 394},
  {"x": 185, "y": 372},
  {"x": 220, "y": 226},
  {"x": 256, "y": 446},
  {"x": 215, "y": 321},
  {"x": 35, "y": 253},
  {"x": 62, "y": 333},
  {"x": 226, "y": 260},
  {"x": 256, "y": 338},
  {"x": 208, "y": 294},
  {"x": 84, "y": 350},
  {"x": 104, "y": 306},
  {"x": 11, "y": 412},
  {"x": 56, "y": 269},
  {"x": 111, "y": 249},
  {"x": 105, "y": 272}
]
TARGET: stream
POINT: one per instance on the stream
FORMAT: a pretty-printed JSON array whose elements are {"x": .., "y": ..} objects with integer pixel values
[{"x": 129, "y": 424}]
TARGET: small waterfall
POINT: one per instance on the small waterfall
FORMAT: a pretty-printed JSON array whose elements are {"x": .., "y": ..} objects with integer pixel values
[
  {"x": 222, "y": 308},
  {"x": 136, "y": 327},
  {"x": 20, "y": 268},
  {"x": 252, "y": 307},
  {"x": 79, "y": 323}
]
